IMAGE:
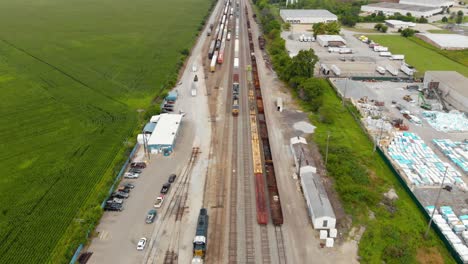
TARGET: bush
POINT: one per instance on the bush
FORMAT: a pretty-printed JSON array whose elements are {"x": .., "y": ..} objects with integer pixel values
[{"x": 407, "y": 32}]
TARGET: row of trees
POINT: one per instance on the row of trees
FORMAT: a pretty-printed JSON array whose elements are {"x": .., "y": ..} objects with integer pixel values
[
  {"x": 332, "y": 28},
  {"x": 297, "y": 71},
  {"x": 381, "y": 27},
  {"x": 457, "y": 17}
]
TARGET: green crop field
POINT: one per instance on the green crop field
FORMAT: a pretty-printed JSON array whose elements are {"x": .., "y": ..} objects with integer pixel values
[
  {"x": 72, "y": 75},
  {"x": 423, "y": 57}
]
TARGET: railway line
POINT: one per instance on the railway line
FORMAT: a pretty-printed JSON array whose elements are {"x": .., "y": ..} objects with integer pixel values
[{"x": 174, "y": 212}]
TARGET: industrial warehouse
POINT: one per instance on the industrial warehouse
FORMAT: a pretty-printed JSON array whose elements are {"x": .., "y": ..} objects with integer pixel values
[
  {"x": 307, "y": 16},
  {"x": 161, "y": 133},
  {"x": 393, "y": 8}
]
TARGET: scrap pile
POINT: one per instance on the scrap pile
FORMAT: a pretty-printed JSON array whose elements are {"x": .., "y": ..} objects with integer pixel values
[
  {"x": 452, "y": 227},
  {"x": 457, "y": 152},
  {"x": 454, "y": 121},
  {"x": 420, "y": 164}
]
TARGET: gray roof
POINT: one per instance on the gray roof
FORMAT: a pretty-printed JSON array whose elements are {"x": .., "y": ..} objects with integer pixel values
[
  {"x": 448, "y": 40},
  {"x": 306, "y": 13},
  {"x": 303, "y": 154},
  {"x": 403, "y": 7},
  {"x": 315, "y": 194}
]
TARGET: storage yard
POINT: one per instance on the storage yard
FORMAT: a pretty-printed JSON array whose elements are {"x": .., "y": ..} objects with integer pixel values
[
  {"x": 427, "y": 153},
  {"x": 349, "y": 55}
]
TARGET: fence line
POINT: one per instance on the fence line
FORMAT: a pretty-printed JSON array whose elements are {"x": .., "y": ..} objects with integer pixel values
[{"x": 402, "y": 181}]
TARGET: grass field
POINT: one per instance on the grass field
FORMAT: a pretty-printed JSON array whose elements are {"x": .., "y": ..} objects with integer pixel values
[
  {"x": 394, "y": 234},
  {"x": 72, "y": 75},
  {"x": 423, "y": 56}
]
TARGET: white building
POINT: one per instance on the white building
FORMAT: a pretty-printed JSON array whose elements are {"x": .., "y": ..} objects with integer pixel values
[
  {"x": 431, "y": 3},
  {"x": 399, "y": 24},
  {"x": 445, "y": 41},
  {"x": 331, "y": 41},
  {"x": 307, "y": 16},
  {"x": 318, "y": 204},
  {"x": 392, "y": 8},
  {"x": 453, "y": 86},
  {"x": 163, "y": 138}
]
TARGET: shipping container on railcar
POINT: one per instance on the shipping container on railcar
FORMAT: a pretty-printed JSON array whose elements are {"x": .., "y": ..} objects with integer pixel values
[{"x": 211, "y": 49}]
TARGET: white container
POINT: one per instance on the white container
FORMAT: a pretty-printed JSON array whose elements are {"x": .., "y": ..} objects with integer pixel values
[
  {"x": 329, "y": 242},
  {"x": 397, "y": 57},
  {"x": 193, "y": 92},
  {"x": 236, "y": 63},
  {"x": 333, "y": 233},
  {"x": 323, "y": 234},
  {"x": 380, "y": 70},
  {"x": 385, "y": 54}
]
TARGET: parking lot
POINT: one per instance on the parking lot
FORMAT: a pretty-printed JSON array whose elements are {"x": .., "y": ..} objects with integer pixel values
[
  {"x": 389, "y": 92},
  {"x": 362, "y": 62}
]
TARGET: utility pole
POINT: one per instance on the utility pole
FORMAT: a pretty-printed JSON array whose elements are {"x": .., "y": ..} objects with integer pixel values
[
  {"x": 377, "y": 139},
  {"x": 345, "y": 89},
  {"x": 326, "y": 153},
  {"x": 436, "y": 203}
]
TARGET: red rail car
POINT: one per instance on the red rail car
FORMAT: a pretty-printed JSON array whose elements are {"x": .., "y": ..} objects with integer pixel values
[
  {"x": 221, "y": 57},
  {"x": 273, "y": 196},
  {"x": 262, "y": 214},
  {"x": 261, "y": 42}
]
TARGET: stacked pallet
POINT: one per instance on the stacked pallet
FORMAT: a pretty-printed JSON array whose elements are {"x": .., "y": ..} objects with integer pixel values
[
  {"x": 457, "y": 152},
  {"x": 452, "y": 227},
  {"x": 420, "y": 164}
]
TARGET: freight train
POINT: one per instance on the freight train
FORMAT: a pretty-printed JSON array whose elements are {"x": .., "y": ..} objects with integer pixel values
[
  {"x": 235, "y": 94},
  {"x": 201, "y": 235},
  {"x": 261, "y": 133}
]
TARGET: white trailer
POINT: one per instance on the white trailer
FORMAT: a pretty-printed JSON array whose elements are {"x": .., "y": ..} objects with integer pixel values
[
  {"x": 324, "y": 69},
  {"x": 279, "y": 104},
  {"x": 236, "y": 63},
  {"x": 335, "y": 70},
  {"x": 193, "y": 92},
  {"x": 385, "y": 54},
  {"x": 345, "y": 51},
  {"x": 236, "y": 48},
  {"x": 397, "y": 57},
  {"x": 408, "y": 70},
  {"x": 380, "y": 48},
  {"x": 380, "y": 70},
  {"x": 391, "y": 70}
]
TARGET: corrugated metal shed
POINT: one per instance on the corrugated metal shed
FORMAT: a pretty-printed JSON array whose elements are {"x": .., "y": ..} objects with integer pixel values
[{"x": 316, "y": 196}]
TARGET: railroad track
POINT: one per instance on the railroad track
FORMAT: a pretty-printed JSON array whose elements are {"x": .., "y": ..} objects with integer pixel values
[
  {"x": 280, "y": 245},
  {"x": 176, "y": 207}
]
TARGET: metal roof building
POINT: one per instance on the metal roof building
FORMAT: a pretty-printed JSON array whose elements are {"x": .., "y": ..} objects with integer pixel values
[
  {"x": 453, "y": 86},
  {"x": 331, "y": 41},
  {"x": 445, "y": 41},
  {"x": 318, "y": 205},
  {"x": 307, "y": 16},
  {"x": 399, "y": 24},
  {"x": 392, "y": 8},
  {"x": 165, "y": 133},
  {"x": 431, "y": 3}
]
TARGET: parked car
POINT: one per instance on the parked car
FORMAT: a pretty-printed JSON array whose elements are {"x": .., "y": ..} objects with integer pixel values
[
  {"x": 123, "y": 189},
  {"x": 129, "y": 185},
  {"x": 165, "y": 188},
  {"x": 150, "y": 216},
  {"x": 138, "y": 165},
  {"x": 135, "y": 170},
  {"x": 113, "y": 207},
  {"x": 120, "y": 195},
  {"x": 114, "y": 200},
  {"x": 172, "y": 178},
  {"x": 141, "y": 243},
  {"x": 159, "y": 201},
  {"x": 131, "y": 175}
]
